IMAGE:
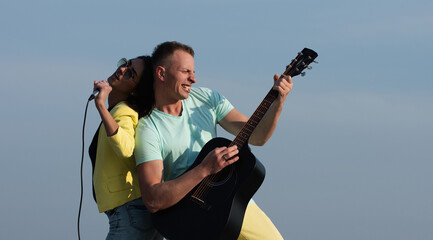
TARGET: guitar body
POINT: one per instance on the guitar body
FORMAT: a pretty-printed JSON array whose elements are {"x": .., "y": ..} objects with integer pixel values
[{"x": 218, "y": 212}]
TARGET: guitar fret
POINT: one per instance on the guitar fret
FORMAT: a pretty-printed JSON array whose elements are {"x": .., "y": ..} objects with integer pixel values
[
  {"x": 255, "y": 122},
  {"x": 263, "y": 113},
  {"x": 268, "y": 102}
]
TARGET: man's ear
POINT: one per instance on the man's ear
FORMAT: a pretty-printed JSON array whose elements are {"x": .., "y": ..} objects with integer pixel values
[{"x": 160, "y": 72}]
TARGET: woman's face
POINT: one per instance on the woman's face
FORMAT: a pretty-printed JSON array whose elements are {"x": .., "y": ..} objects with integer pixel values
[{"x": 127, "y": 76}]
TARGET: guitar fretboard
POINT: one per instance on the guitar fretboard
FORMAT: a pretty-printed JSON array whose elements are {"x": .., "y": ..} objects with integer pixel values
[{"x": 246, "y": 131}]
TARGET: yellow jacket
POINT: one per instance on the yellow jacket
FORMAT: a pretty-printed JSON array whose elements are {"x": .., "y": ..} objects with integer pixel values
[{"x": 115, "y": 175}]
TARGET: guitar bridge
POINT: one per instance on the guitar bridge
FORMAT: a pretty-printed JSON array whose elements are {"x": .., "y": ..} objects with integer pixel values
[{"x": 201, "y": 203}]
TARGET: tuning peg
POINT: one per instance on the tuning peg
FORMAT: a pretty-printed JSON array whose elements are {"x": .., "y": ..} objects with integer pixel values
[
  {"x": 316, "y": 62},
  {"x": 309, "y": 67},
  {"x": 303, "y": 74}
]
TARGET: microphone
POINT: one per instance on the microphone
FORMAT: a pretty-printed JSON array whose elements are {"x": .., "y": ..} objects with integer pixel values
[{"x": 93, "y": 95}]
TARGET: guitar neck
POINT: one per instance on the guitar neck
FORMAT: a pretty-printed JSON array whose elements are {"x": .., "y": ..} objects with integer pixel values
[
  {"x": 294, "y": 68},
  {"x": 245, "y": 133}
]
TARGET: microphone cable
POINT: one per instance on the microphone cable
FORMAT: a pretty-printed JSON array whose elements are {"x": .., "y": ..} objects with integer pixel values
[{"x": 81, "y": 170}]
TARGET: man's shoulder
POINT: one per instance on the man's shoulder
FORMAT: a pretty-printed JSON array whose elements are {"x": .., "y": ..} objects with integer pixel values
[
  {"x": 204, "y": 94},
  {"x": 199, "y": 96},
  {"x": 203, "y": 91},
  {"x": 145, "y": 120}
]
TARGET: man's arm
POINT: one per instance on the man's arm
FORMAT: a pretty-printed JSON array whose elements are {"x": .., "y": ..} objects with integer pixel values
[
  {"x": 235, "y": 120},
  {"x": 157, "y": 194}
]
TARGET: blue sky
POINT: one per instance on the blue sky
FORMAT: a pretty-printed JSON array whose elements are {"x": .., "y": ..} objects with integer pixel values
[{"x": 350, "y": 159}]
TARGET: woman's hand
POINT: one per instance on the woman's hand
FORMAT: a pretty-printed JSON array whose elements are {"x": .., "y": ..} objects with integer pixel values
[{"x": 104, "y": 90}]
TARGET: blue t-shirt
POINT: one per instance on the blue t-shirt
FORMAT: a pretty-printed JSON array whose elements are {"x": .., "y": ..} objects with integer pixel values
[{"x": 177, "y": 140}]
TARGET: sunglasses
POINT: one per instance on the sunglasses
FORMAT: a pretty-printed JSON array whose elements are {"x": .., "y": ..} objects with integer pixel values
[{"x": 124, "y": 63}]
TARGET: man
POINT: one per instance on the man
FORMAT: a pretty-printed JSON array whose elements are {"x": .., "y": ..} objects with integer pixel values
[{"x": 183, "y": 120}]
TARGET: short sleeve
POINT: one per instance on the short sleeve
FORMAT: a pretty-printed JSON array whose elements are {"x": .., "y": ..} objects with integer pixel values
[
  {"x": 220, "y": 105},
  {"x": 147, "y": 143}
]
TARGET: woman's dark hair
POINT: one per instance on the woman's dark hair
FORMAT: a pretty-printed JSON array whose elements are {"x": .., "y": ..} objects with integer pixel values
[{"x": 143, "y": 98}]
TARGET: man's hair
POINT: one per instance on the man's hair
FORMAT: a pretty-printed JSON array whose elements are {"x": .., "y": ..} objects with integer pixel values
[{"x": 164, "y": 50}]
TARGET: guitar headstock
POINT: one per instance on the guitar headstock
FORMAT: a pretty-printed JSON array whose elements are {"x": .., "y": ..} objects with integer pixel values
[{"x": 300, "y": 63}]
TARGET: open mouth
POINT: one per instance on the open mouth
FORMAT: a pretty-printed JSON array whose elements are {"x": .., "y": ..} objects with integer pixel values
[{"x": 186, "y": 87}]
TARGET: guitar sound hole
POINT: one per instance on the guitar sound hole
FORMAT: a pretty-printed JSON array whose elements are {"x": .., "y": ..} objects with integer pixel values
[{"x": 223, "y": 176}]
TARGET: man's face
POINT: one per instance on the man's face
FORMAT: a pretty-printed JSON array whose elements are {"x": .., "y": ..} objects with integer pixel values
[{"x": 179, "y": 75}]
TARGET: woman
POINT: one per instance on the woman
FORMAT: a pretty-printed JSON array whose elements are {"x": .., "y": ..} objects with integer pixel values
[{"x": 116, "y": 188}]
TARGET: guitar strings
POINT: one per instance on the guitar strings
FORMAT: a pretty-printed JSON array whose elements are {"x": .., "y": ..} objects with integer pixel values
[
  {"x": 249, "y": 127},
  {"x": 205, "y": 185}
]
